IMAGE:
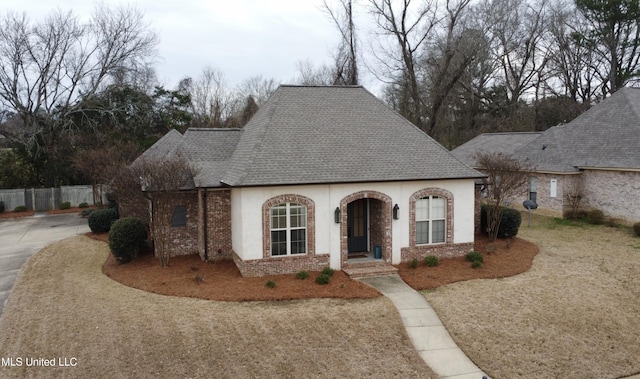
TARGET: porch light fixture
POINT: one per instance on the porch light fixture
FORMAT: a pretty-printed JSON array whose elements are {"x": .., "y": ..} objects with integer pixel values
[
  {"x": 336, "y": 215},
  {"x": 395, "y": 212}
]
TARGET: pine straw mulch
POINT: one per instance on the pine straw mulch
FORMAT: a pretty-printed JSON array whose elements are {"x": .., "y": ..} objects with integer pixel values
[{"x": 189, "y": 276}]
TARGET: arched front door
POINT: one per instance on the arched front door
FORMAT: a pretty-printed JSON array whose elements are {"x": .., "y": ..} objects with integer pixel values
[{"x": 358, "y": 226}]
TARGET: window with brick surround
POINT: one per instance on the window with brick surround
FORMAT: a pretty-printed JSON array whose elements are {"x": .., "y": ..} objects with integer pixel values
[
  {"x": 288, "y": 229},
  {"x": 179, "y": 216},
  {"x": 431, "y": 216}
]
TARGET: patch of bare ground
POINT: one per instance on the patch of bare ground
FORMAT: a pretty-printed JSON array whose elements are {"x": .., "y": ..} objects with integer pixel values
[
  {"x": 64, "y": 306},
  {"x": 574, "y": 314}
]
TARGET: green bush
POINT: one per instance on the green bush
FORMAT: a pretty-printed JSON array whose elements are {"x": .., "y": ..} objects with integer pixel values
[
  {"x": 323, "y": 279},
  {"x": 474, "y": 256},
  {"x": 86, "y": 212},
  {"x": 302, "y": 274},
  {"x": 413, "y": 263},
  {"x": 100, "y": 220},
  {"x": 270, "y": 284},
  {"x": 65, "y": 205},
  {"x": 509, "y": 223},
  {"x": 83, "y": 205},
  {"x": 127, "y": 236},
  {"x": 431, "y": 261},
  {"x": 636, "y": 229},
  {"x": 20, "y": 208},
  {"x": 476, "y": 264},
  {"x": 328, "y": 271},
  {"x": 595, "y": 217},
  {"x": 1, "y": 206}
]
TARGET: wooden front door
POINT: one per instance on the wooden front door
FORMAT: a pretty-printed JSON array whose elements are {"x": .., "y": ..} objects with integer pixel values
[{"x": 357, "y": 228}]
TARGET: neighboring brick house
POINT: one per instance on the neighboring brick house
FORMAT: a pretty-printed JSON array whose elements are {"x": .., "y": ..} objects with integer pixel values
[
  {"x": 597, "y": 155},
  {"x": 319, "y": 173}
]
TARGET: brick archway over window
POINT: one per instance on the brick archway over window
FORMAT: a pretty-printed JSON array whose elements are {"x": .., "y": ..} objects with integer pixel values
[
  {"x": 266, "y": 223},
  {"x": 386, "y": 219},
  {"x": 412, "y": 212}
]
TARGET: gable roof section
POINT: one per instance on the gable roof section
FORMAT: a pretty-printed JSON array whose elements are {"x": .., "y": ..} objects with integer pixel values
[
  {"x": 306, "y": 135},
  {"x": 607, "y": 136},
  {"x": 207, "y": 149}
]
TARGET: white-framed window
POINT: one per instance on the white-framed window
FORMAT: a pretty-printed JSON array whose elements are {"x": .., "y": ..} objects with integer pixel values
[
  {"x": 431, "y": 217},
  {"x": 288, "y": 229},
  {"x": 553, "y": 188},
  {"x": 533, "y": 189}
]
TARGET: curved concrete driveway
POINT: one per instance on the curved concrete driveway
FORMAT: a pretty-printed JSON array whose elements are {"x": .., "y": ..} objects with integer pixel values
[{"x": 21, "y": 237}]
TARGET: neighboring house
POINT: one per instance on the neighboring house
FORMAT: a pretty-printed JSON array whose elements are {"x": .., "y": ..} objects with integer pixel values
[
  {"x": 596, "y": 156},
  {"x": 317, "y": 175}
]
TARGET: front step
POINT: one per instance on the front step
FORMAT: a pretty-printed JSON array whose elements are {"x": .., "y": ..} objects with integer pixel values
[{"x": 366, "y": 270}]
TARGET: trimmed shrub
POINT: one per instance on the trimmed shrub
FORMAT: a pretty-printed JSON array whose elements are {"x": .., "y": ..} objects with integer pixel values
[
  {"x": 127, "y": 236},
  {"x": 65, "y": 205},
  {"x": 328, "y": 271},
  {"x": 302, "y": 275},
  {"x": 474, "y": 256},
  {"x": 83, "y": 205},
  {"x": 413, "y": 263},
  {"x": 431, "y": 261},
  {"x": 86, "y": 212},
  {"x": 100, "y": 220},
  {"x": 509, "y": 223},
  {"x": 595, "y": 217},
  {"x": 476, "y": 264},
  {"x": 636, "y": 229},
  {"x": 1, "y": 206},
  {"x": 323, "y": 279},
  {"x": 270, "y": 284},
  {"x": 20, "y": 208}
]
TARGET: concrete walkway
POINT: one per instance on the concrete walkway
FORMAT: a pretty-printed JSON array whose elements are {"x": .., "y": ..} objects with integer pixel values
[
  {"x": 21, "y": 237},
  {"x": 426, "y": 331}
]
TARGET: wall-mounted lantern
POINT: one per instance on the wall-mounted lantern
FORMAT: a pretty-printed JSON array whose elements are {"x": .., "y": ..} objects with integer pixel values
[
  {"x": 336, "y": 215},
  {"x": 395, "y": 212}
]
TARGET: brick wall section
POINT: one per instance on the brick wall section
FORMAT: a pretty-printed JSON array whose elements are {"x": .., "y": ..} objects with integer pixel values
[
  {"x": 441, "y": 250},
  {"x": 616, "y": 193},
  {"x": 284, "y": 264},
  {"x": 183, "y": 240},
  {"x": 281, "y": 265},
  {"x": 376, "y": 223},
  {"x": 384, "y": 218},
  {"x": 218, "y": 222}
]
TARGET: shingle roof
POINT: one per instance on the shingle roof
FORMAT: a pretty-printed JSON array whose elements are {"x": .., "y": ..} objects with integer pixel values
[
  {"x": 507, "y": 143},
  {"x": 334, "y": 134},
  {"x": 606, "y": 136},
  {"x": 306, "y": 135}
]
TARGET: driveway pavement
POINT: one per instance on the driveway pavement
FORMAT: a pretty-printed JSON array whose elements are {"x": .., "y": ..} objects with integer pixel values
[{"x": 21, "y": 237}]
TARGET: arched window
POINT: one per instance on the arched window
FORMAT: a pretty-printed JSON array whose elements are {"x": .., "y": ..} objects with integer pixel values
[
  {"x": 288, "y": 229},
  {"x": 431, "y": 213},
  {"x": 431, "y": 216}
]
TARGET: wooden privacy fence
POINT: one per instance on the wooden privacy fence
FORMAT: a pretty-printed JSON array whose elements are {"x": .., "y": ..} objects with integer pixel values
[{"x": 44, "y": 199}]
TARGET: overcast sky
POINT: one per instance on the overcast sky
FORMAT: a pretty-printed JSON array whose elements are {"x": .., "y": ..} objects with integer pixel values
[{"x": 241, "y": 38}]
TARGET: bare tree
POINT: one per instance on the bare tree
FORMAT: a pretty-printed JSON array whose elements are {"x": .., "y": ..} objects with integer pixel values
[
  {"x": 407, "y": 28},
  {"x": 258, "y": 88},
  {"x": 573, "y": 195},
  {"x": 346, "y": 58},
  {"x": 308, "y": 75},
  {"x": 46, "y": 68},
  {"x": 506, "y": 177},
  {"x": 212, "y": 102}
]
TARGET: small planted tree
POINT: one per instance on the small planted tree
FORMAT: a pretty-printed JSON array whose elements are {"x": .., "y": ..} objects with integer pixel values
[{"x": 506, "y": 177}]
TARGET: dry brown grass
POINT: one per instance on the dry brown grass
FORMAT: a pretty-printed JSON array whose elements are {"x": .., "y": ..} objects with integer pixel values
[
  {"x": 63, "y": 306},
  {"x": 575, "y": 314}
]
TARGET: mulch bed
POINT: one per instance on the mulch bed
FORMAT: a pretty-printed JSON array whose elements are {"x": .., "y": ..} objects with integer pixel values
[{"x": 189, "y": 276}]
